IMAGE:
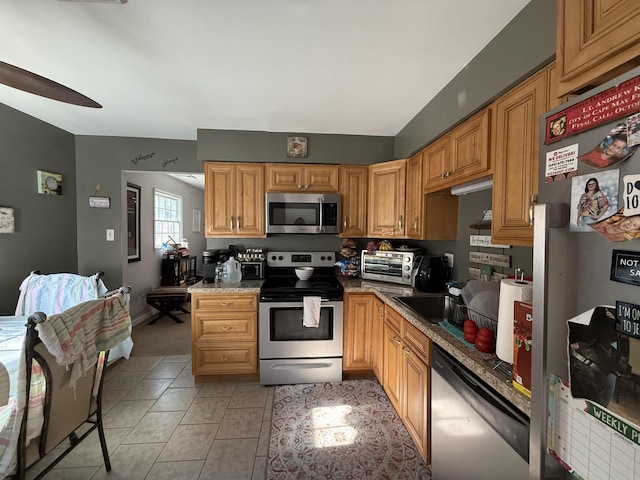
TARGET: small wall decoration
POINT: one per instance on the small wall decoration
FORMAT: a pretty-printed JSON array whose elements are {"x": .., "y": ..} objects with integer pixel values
[
  {"x": 99, "y": 201},
  {"x": 197, "y": 220},
  {"x": 625, "y": 267},
  {"x": 296, "y": 147},
  {"x": 49, "y": 183},
  {"x": 7, "y": 220}
]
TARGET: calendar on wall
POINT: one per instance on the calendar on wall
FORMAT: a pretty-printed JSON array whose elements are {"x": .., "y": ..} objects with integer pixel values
[{"x": 591, "y": 441}]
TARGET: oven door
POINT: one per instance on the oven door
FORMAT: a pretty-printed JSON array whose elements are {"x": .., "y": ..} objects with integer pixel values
[{"x": 282, "y": 334}]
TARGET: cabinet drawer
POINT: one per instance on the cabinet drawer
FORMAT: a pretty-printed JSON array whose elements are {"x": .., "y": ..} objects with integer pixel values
[
  {"x": 232, "y": 326},
  {"x": 219, "y": 303},
  {"x": 392, "y": 318},
  {"x": 417, "y": 341},
  {"x": 214, "y": 359}
]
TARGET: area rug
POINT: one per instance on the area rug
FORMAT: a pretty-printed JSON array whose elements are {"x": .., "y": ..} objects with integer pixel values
[{"x": 340, "y": 431}]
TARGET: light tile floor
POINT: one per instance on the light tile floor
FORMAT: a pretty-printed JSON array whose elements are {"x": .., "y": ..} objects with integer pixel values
[{"x": 160, "y": 425}]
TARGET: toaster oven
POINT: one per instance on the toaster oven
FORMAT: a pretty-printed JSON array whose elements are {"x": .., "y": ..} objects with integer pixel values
[{"x": 390, "y": 266}]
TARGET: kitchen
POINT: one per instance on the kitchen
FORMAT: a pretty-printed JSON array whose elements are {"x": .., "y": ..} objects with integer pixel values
[{"x": 87, "y": 148}]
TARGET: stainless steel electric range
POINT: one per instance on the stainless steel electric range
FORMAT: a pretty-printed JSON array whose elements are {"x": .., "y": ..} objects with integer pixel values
[{"x": 289, "y": 351}]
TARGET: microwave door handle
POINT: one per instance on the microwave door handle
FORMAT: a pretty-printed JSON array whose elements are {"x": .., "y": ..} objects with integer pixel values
[{"x": 321, "y": 226}]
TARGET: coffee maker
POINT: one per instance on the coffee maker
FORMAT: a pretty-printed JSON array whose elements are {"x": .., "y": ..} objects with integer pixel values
[
  {"x": 433, "y": 273},
  {"x": 211, "y": 258}
]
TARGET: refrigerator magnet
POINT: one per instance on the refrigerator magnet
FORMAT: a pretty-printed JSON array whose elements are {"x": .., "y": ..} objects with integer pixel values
[{"x": 625, "y": 267}]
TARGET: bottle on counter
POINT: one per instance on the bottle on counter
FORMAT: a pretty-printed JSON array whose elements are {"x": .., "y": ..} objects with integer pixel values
[{"x": 232, "y": 271}]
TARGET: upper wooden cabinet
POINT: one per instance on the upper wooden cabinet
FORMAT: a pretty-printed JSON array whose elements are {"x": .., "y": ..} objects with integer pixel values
[
  {"x": 596, "y": 40},
  {"x": 287, "y": 177},
  {"x": 461, "y": 155},
  {"x": 415, "y": 198},
  {"x": 387, "y": 187},
  {"x": 234, "y": 200},
  {"x": 515, "y": 170},
  {"x": 354, "y": 180}
]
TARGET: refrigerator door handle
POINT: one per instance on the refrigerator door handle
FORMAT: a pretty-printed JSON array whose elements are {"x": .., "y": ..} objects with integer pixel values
[{"x": 532, "y": 204}]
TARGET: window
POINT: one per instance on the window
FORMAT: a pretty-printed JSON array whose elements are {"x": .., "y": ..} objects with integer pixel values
[{"x": 167, "y": 218}]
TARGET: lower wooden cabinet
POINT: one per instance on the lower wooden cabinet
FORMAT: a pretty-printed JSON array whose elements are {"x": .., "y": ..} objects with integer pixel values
[
  {"x": 357, "y": 351},
  {"x": 407, "y": 377},
  {"x": 224, "y": 334},
  {"x": 378, "y": 331}
]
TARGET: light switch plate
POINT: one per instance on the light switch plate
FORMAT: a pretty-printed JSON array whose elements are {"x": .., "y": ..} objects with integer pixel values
[
  {"x": 110, "y": 235},
  {"x": 449, "y": 259}
]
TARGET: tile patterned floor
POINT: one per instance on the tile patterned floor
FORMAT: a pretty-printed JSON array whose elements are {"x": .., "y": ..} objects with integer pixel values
[{"x": 160, "y": 425}]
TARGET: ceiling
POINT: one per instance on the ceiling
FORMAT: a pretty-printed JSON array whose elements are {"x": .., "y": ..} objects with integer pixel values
[{"x": 164, "y": 68}]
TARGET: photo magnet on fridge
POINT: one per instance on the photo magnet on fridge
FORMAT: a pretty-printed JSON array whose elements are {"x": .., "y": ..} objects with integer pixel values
[{"x": 593, "y": 197}]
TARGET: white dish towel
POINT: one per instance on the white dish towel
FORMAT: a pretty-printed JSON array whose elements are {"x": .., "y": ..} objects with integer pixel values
[{"x": 311, "y": 311}]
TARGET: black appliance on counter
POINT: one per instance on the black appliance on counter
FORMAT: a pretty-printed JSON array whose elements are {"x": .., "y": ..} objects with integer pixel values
[
  {"x": 433, "y": 272},
  {"x": 211, "y": 258}
]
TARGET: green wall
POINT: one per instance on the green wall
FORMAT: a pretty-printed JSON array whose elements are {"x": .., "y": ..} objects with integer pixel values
[{"x": 45, "y": 225}]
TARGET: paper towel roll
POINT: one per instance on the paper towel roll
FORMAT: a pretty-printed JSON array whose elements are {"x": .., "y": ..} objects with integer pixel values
[{"x": 510, "y": 291}]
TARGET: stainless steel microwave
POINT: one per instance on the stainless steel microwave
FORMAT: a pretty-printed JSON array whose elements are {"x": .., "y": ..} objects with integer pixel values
[{"x": 303, "y": 213}]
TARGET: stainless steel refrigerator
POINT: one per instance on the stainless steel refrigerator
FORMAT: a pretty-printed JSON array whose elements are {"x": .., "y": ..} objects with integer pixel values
[{"x": 577, "y": 268}]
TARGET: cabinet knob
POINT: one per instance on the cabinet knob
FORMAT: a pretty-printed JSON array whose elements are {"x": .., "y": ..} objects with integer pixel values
[
  {"x": 226, "y": 328},
  {"x": 400, "y": 223},
  {"x": 415, "y": 224},
  {"x": 224, "y": 359},
  {"x": 238, "y": 223},
  {"x": 396, "y": 340},
  {"x": 226, "y": 304},
  {"x": 231, "y": 224}
]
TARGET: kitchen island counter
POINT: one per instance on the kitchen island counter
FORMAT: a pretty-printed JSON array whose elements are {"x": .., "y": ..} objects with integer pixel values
[
  {"x": 244, "y": 286},
  {"x": 468, "y": 356}
]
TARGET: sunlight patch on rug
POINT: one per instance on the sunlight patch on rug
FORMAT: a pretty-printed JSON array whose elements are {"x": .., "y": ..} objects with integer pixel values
[{"x": 339, "y": 431}]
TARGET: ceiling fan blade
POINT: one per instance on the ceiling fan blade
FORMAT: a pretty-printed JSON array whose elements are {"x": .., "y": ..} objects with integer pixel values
[{"x": 33, "y": 83}]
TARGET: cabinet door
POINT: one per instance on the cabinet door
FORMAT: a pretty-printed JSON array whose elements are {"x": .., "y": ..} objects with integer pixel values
[
  {"x": 387, "y": 199},
  {"x": 595, "y": 41},
  {"x": 515, "y": 176},
  {"x": 321, "y": 178},
  {"x": 392, "y": 366},
  {"x": 353, "y": 187},
  {"x": 436, "y": 164},
  {"x": 358, "y": 331},
  {"x": 415, "y": 198},
  {"x": 416, "y": 401},
  {"x": 470, "y": 148},
  {"x": 250, "y": 201},
  {"x": 376, "y": 341},
  {"x": 284, "y": 177},
  {"x": 219, "y": 199}
]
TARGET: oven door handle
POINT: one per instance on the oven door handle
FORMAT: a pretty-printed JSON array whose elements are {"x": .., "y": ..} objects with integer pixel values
[{"x": 300, "y": 366}]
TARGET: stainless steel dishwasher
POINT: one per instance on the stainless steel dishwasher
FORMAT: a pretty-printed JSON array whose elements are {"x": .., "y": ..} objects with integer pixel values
[{"x": 475, "y": 433}]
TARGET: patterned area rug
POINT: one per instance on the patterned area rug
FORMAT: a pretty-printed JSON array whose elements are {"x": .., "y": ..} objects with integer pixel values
[{"x": 346, "y": 430}]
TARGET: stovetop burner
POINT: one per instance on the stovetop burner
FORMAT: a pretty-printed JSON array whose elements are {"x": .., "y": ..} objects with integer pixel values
[{"x": 281, "y": 283}]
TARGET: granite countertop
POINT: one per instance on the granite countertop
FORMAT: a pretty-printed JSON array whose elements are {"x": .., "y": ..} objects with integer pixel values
[
  {"x": 468, "y": 356},
  {"x": 244, "y": 286}
]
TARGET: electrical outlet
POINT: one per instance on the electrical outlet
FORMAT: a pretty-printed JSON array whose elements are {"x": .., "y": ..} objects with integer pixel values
[
  {"x": 449, "y": 258},
  {"x": 111, "y": 235}
]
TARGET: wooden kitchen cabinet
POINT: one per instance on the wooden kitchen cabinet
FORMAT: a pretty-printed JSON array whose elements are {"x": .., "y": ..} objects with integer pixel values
[
  {"x": 515, "y": 170},
  {"x": 392, "y": 358},
  {"x": 357, "y": 354},
  {"x": 298, "y": 178},
  {"x": 354, "y": 180},
  {"x": 461, "y": 155},
  {"x": 234, "y": 200},
  {"x": 376, "y": 340},
  {"x": 407, "y": 377},
  {"x": 595, "y": 41},
  {"x": 415, "y": 198},
  {"x": 224, "y": 334},
  {"x": 387, "y": 197}
]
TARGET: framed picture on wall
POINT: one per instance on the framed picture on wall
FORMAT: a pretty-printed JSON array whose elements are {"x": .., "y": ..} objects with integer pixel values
[{"x": 133, "y": 223}]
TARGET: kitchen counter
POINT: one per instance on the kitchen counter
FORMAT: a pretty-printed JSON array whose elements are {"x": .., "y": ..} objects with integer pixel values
[
  {"x": 244, "y": 286},
  {"x": 470, "y": 357}
]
